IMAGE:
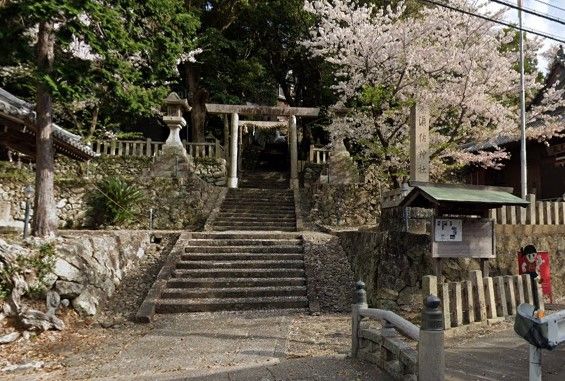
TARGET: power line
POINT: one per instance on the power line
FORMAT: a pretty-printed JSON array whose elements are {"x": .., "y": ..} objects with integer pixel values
[
  {"x": 527, "y": 30},
  {"x": 530, "y": 11},
  {"x": 549, "y": 5}
]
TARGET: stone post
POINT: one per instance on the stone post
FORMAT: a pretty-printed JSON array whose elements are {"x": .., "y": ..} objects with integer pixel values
[
  {"x": 293, "y": 152},
  {"x": 232, "y": 180},
  {"x": 360, "y": 303},
  {"x": 431, "y": 356},
  {"x": 227, "y": 137}
]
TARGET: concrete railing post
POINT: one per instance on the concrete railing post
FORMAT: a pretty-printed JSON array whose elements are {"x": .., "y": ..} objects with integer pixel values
[
  {"x": 431, "y": 357},
  {"x": 360, "y": 303}
]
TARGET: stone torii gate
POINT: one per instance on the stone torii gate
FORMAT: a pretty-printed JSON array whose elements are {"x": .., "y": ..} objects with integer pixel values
[{"x": 273, "y": 111}]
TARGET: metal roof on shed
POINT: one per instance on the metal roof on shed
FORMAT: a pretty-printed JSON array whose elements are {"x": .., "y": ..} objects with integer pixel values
[{"x": 434, "y": 195}]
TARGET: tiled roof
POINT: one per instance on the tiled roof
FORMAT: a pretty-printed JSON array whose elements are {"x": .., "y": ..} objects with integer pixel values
[{"x": 22, "y": 110}]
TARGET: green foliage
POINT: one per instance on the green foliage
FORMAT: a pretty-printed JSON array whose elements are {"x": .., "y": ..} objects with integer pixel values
[
  {"x": 115, "y": 202},
  {"x": 40, "y": 263},
  {"x": 11, "y": 173},
  {"x": 132, "y": 48}
]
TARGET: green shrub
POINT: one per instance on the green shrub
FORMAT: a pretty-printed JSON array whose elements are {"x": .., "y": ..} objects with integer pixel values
[{"x": 114, "y": 202}]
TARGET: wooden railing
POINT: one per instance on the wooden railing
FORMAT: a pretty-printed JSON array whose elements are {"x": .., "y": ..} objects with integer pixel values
[
  {"x": 319, "y": 155},
  {"x": 480, "y": 300},
  {"x": 537, "y": 213},
  {"x": 149, "y": 148}
]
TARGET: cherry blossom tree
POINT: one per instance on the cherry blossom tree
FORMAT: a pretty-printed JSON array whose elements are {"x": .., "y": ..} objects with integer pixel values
[{"x": 453, "y": 63}]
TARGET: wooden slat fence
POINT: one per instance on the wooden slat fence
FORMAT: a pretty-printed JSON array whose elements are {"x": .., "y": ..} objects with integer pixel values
[
  {"x": 319, "y": 155},
  {"x": 537, "y": 213},
  {"x": 149, "y": 148},
  {"x": 480, "y": 300}
]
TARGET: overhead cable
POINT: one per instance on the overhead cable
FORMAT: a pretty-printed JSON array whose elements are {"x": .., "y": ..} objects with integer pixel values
[
  {"x": 549, "y": 5},
  {"x": 531, "y": 11},
  {"x": 469, "y": 13}
]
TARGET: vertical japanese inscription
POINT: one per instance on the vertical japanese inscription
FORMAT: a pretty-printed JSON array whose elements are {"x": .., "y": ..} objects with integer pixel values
[{"x": 419, "y": 143}]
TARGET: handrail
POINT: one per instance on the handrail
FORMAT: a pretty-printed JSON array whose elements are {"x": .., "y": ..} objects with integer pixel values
[{"x": 402, "y": 325}]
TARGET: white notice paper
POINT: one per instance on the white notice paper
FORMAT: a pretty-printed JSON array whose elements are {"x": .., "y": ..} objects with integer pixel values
[{"x": 448, "y": 230}]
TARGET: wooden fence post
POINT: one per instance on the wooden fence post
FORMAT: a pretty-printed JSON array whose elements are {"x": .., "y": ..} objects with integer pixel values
[
  {"x": 539, "y": 213},
  {"x": 520, "y": 287},
  {"x": 511, "y": 295},
  {"x": 490, "y": 299},
  {"x": 217, "y": 149},
  {"x": 446, "y": 306},
  {"x": 531, "y": 210},
  {"x": 429, "y": 285},
  {"x": 477, "y": 280},
  {"x": 469, "y": 301},
  {"x": 502, "y": 306},
  {"x": 457, "y": 303}
]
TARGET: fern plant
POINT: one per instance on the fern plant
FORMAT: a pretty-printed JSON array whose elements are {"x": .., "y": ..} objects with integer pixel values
[{"x": 115, "y": 202}]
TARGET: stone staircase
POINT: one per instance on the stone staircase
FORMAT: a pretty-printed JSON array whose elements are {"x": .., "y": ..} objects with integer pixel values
[
  {"x": 264, "y": 180},
  {"x": 235, "y": 271},
  {"x": 257, "y": 210}
]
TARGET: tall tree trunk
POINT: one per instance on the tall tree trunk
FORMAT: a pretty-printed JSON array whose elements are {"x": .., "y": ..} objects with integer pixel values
[
  {"x": 45, "y": 211},
  {"x": 197, "y": 100}
]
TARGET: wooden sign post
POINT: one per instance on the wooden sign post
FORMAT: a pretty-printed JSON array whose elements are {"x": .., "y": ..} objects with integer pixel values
[{"x": 419, "y": 143}]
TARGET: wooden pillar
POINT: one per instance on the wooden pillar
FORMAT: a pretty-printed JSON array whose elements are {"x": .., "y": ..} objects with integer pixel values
[
  {"x": 293, "y": 152},
  {"x": 232, "y": 180}
]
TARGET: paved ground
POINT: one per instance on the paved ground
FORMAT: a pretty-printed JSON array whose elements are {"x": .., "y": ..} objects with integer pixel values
[
  {"x": 499, "y": 356},
  {"x": 261, "y": 347},
  {"x": 264, "y": 346}
]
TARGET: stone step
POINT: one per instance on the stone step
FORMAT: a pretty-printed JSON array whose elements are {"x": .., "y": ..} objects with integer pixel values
[
  {"x": 234, "y": 292},
  {"x": 260, "y": 198},
  {"x": 240, "y": 264},
  {"x": 253, "y": 228},
  {"x": 259, "y": 213},
  {"x": 234, "y": 282},
  {"x": 258, "y": 235},
  {"x": 272, "y": 224},
  {"x": 265, "y": 191},
  {"x": 242, "y": 257},
  {"x": 294, "y": 249},
  {"x": 255, "y": 207},
  {"x": 244, "y": 242},
  {"x": 238, "y": 273},
  {"x": 250, "y": 218},
  {"x": 229, "y": 304}
]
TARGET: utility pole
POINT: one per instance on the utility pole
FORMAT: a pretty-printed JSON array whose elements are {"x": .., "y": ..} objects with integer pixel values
[{"x": 523, "y": 158}]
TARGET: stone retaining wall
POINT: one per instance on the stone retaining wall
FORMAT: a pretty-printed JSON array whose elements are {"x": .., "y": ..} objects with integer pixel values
[
  {"x": 340, "y": 204},
  {"x": 392, "y": 263},
  {"x": 330, "y": 278},
  {"x": 89, "y": 265},
  {"x": 176, "y": 206}
]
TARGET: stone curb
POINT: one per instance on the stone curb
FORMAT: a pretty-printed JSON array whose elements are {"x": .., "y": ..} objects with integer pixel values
[
  {"x": 147, "y": 310},
  {"x": 214, "y": 213}
]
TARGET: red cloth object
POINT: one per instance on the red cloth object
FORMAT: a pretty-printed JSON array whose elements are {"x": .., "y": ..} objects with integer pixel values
[{"x": 544, "y": 271}]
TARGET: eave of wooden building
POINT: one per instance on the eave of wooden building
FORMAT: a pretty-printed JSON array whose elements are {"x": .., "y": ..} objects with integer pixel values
[{"x": 17, "y": 131}]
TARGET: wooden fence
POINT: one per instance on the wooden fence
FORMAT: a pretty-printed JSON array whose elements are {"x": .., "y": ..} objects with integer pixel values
[
  {"x": 150, "y": 148},
  {"x": 480, "y": 300},
  {"x": 319, "y": 155},
  {"x": 537, "y": 213}
]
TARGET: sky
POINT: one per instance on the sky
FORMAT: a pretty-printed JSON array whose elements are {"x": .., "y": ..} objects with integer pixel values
[{"x": 537, "y": 23}]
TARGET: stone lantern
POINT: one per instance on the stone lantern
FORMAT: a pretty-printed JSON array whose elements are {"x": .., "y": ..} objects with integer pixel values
[{"x": 174, "y": 107}]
